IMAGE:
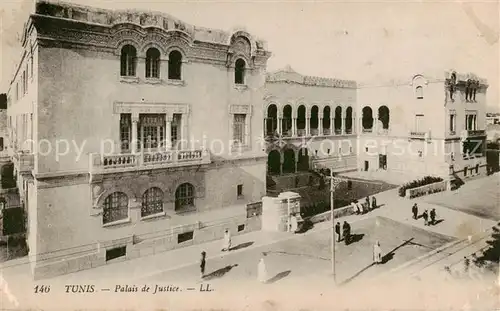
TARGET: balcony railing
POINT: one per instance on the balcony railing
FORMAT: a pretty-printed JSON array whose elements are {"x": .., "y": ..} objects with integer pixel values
[
  {"x": 348, "y": 131},
  {"x": 367, "y": 130},
  {"x": 287, "y": 133},
  {"x": 383, "y": 131},
  {"x": 338, "y": 131},
  {"x": 473, "y": 133},
  {"x": 301, "y": 132},
  {"x": 327, "y": 131},
  {"x": 314, "y": 132},
  {"x": 144, "y": 160},
  {"x": 415, "y": 134}
]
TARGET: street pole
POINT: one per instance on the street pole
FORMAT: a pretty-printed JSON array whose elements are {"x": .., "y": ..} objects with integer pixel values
[{"x": 333, "y": 225}]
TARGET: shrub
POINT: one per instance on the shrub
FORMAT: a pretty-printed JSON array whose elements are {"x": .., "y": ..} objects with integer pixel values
[{"x": 418, "y": 183}]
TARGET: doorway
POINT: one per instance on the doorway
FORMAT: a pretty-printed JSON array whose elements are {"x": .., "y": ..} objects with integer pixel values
[
  {"x": 382, "y": 161},
  {"x": 366, "y": 166}
]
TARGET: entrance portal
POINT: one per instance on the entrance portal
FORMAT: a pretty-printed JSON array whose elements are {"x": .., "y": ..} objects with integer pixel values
[
  {"x": 288, "y": 161},
  {"x": 303, "y": 163},
  {"x": 273, "y": 162}
]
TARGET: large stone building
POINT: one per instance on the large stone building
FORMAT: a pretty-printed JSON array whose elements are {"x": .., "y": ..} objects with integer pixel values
[
  {"x": 424, "y": 125},
  {"x": 309, "y": 122},
  {"x": 133, "y": 133}
]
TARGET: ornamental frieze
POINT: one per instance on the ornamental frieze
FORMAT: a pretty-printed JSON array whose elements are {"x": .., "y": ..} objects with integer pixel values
[
  {"x": 240, "y": 109},
  {"x": 139, "y": 107}
]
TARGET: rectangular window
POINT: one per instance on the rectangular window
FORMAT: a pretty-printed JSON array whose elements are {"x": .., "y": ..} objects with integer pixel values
[
  {"x": 175, "y": 129},
  {"x": 151, "y": 130},
  {"x": 184, "y": 237},
  {"x": 239, "y": 190},
  {"x": 116, "y": 252},
  {"x": 453, "y": 121},
  {"x": 419, "y": 123},
  {"x": 125, "y": 131},
  {"x": 239, "y": 129}
]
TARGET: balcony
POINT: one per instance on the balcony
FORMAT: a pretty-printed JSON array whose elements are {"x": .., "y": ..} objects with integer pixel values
[
  {"x": 415, "y": 134},
  {"x": 476, "y": 133},
  {"x": 24, "y": 162},
  {"x": 338, "y": 131},
  {"x": 301, "y": 132},
  {"x": 161, "y": 159},
  {"x": 367, "y": 130},
  {"x": 327, "y": 131},
  {"x": 314, "y": 132}
]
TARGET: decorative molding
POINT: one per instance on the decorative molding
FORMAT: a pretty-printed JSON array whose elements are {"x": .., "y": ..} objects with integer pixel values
[
  {"x": 145, "y": 107},
  {"x": 240, "y": 109}
]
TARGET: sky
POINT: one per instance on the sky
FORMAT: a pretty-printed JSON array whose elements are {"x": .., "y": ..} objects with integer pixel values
[{"x": 366, "y": 41}]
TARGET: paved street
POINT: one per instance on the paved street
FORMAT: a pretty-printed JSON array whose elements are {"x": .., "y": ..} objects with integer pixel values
[
  {"x": 291, "y": 260},
  {"x": 479, "y": 197}
]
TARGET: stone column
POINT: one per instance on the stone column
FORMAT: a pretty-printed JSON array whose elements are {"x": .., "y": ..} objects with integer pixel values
[
  {"x": 133, "y": 143},
  {"x": 342, "y": 123},
  {"x": 168, "y": 133},
  {"x": 294, "y": 127},
  {"x": 320, "y": 124},
  {"x": 353, "y": 124},
  {"x": 332, "y": 124},
  {"x": 280, "y": 122},
  {"x": 308, "y": 125},
  {"x": 265, "y": 127}
]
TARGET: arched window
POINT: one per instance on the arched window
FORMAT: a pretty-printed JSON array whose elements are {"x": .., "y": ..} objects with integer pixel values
[
  {"x": 174, "y": 65},
  {"x": 184, "y": 197},
  {"x": 419, "y": 92},
  {"x": 239, "y": 71},
  {"x": 152, "y": 202},
  {"x": 128, "y": 60},
  {"x": 115, "y": 207},
  {"x": 152, "y": 63}
]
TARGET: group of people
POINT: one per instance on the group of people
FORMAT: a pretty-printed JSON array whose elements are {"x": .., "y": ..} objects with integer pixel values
[
  {"x": 360, "y": 208},
  {"x": 429, "y": 218},
  {"x": 226, "y": 247},
  {"x": 346, "y": 232}
]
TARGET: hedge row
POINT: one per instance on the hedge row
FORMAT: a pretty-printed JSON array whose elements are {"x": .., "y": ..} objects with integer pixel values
[{"x": 418, "y": 183}]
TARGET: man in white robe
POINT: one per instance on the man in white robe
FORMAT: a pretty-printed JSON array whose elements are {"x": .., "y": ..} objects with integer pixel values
[{"x": 227, "y": 241}]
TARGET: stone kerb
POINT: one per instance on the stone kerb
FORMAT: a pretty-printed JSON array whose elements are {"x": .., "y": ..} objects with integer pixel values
[{"x": 426, "y": 189}]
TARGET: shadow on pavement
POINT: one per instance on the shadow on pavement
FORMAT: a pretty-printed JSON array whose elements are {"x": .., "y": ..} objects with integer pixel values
[
  {"x": 279, "y": 276},
  {"x": 306, "y": 226},
  {"x": 438, "y": 222},
  {"x": 356, "y": 238},
  {"x": 219, "y": 273},
  {"x": 242, "y": 245},
  {"x": 387, "y": 257}
]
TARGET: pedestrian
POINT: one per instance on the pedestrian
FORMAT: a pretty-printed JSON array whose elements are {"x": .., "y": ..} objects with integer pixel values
[
  {"x": 425, "y": 215},
  {"x": 262, "y": 270},
  {"x": 360, "y": 207},
  {"x": 367, "y": 203},
  {"x": 337, "y": 231},
  {"x": 374, "y": 203},
  {"x": 203, "y": 263},
  {"x": 346, "y": 228},
  {"x": 433, "y": 216},
  {"x": 414, "y": 210},
  {"x": 377, "y": 253},
  {"x": 466, "y": 265},
  {"x": 293, "y": 223},
  {"x": 227, "y": 241},
  {"x": 354, "y": 207}
]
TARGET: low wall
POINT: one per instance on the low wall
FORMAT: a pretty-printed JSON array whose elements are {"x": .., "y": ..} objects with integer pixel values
[
  {"x": 90, "y": 258},
  {"x": 426, "y": 189},
  {"x": 338, "y": 212}
]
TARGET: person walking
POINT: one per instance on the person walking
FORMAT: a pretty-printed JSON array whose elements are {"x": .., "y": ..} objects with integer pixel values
[
  {"x": 425, "y": 216},
  {"x": 433, "y": 216},
  {"x": 227, "y": 241},
  {"x": 367, "y": 203},
  {"x": 414, "y": 210},
  {"x": 374, "y": 203},
  {"x": 346, "y": 228},
  {"x": 262, "y": 270},
  {"x": 354, "y": 208},
  {"x": 202, "y": 264},
  {"x": 293, "y": 223},
  {"x": 337, "y": 231},
  {"x": 377, "y": 253}
]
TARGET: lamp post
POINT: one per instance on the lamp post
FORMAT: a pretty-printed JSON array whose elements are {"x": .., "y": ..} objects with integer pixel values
[{"x": 334, "y": 182}]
